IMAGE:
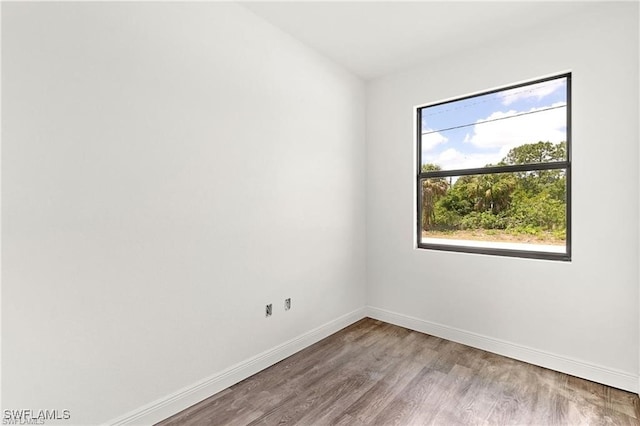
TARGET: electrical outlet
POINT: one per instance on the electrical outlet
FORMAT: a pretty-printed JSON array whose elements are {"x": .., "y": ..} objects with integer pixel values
[
  {"x": 287, "y": 304},
  {"x": 269, "y": 310}
]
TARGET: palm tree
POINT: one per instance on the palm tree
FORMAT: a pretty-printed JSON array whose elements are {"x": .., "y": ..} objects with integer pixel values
[
  {"x": 498, "y": 190},
  {"x": 432, "y": 190},
  {"x": 491, "y": 192}
]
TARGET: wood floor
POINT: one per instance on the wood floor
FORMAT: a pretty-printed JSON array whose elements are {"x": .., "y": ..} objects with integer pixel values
[{"x": 373, "y": 373}]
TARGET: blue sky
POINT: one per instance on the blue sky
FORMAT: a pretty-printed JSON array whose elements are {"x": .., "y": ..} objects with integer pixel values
[{"x": 485, "y": 141}]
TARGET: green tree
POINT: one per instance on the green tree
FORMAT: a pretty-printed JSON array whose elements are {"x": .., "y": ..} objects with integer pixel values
[
  {"x": 539, "y": 202},
  {"x": 540, "y": 152},
  {"x": 529, "y": 202},
  {"x": 494, "y": 192},
  {"x": 535, "y": 182},
  {"x": 432, "y": 190}
]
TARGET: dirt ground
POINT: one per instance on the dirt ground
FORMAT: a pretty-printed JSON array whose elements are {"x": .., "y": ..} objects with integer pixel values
[{"x": 496, "y": 235}]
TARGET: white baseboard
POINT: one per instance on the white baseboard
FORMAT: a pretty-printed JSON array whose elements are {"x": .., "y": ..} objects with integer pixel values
[
  {"x": 174, "y": 403},
  {"x": 582, "y": 369}
]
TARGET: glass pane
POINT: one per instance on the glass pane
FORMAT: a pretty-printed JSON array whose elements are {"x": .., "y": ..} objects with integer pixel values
[
  {"x": 517, "y": 211},
  {"x": 527, "y": 124}
]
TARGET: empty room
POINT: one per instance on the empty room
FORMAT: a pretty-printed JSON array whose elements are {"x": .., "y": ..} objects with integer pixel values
[{"x": 313, "y": 213}]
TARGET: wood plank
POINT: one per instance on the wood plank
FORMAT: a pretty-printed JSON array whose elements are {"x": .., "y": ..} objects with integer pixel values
[{"x": 373, "y": 373}]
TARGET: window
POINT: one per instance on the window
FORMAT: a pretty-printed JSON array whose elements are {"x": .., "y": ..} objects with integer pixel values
[{"x": 494, "y": 172}]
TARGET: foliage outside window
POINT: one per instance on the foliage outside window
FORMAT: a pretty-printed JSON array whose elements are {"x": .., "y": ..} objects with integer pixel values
[{"x": 494, "y": 172}]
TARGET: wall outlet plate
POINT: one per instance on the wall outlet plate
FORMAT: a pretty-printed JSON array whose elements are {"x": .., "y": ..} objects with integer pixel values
[
  {"x": 268, "y": 310},
  {"x": 287, "y": 304}
]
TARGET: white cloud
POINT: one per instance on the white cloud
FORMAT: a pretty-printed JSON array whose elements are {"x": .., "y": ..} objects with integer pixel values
[
  {"x": 431, "y": 140},
  {"x": 538, "y": 91},
  {"x": 451, "y": 159},
  {"x": 547, "y": 125}
]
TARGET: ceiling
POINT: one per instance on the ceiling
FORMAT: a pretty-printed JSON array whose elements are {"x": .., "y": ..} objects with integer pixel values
[{"x": 372, "y": 39}]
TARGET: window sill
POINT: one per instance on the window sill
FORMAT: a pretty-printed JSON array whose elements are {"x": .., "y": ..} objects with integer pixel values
[{"x": 536, "y": 251}]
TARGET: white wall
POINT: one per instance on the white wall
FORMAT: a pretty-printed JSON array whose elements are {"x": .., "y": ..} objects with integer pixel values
[
  {"x": 581, "y": 316},
  {"x": 168, "y": 169}
]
